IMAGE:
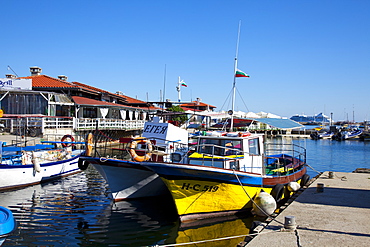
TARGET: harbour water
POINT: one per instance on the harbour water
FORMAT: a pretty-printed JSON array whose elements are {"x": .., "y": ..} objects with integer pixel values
[{"x": 76, "y": 210}]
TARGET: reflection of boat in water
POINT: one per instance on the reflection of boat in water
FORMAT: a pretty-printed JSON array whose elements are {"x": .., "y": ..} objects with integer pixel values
[
  {"x": 227, "y": 232},
  {"x": 54, "y": 209},
  {"x": 153, "y": 217},
  {"x": 158, "y": 224}
]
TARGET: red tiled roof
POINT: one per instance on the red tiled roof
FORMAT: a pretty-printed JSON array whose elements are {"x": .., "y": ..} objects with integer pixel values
[
  {"x": 189, "y": 109},
  {"x": 129, "y": 100},
  {"x": 50, "y": 82},
  {"x": 92, "y": 102},
  {"x": 86, "y": 101},
  {"x": 132, "y": 100},
  {"x": 79, "y": 84},
  {"x": 47, "y": 81},
  {"x": 196, "y": 104}
]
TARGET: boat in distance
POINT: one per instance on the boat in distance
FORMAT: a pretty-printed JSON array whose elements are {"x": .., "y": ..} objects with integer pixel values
[{"x": 25, "y": 166}]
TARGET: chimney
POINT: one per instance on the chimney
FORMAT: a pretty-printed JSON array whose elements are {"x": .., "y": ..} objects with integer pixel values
[
  {"x": 10, "y": 76},
  {"x": 62, "y": 77},
  {"x": 35, "y": 70}
]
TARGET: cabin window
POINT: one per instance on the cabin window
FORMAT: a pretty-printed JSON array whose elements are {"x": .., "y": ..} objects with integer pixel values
[
  {"x": 254, "y": 147},
  {"x": 220, "y": 147}
]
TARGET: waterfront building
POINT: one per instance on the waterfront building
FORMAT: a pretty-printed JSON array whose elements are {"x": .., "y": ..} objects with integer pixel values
[{"x": 41, "y": 100}]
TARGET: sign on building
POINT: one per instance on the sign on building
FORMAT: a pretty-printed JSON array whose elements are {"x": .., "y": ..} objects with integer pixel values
[{"x": 15, "y": 84}]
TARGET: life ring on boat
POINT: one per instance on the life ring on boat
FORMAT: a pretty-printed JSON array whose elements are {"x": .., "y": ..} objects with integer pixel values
[
  {"x": 277, "y": 192},
  {"x": 244, "y": 134},
  {"x": 304, "y": 180},
  {"x": 83, "y": 164},
  {"x": 89, "y": 144},
  {"x": 137, "y": 157},
  {"x": 66, "y": 137}
]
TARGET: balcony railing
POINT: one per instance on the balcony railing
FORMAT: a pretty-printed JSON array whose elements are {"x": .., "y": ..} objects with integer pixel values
[{"x": 44, "y": 123}]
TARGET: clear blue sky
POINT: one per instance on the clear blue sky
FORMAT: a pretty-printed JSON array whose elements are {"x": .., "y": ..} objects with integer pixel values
[{"x": 303, "y": 57}]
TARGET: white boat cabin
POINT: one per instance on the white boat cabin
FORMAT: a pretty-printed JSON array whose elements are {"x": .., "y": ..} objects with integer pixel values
[{"x": 242, "y": 153}]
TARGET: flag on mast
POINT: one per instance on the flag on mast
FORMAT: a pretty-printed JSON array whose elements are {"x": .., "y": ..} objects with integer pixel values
[
  {"x": 240, "y": 73},
  {"x": 183, "y": 83}
]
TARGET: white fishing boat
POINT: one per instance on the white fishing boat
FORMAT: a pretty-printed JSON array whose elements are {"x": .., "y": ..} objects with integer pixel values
[
  {"x": 24, "y": 166},
  {"x": 120, "y": 165}
]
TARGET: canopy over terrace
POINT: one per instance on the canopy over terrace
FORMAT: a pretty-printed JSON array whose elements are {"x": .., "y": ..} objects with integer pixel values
[
  {"x": 280, "y": 123},
  {"x": 86, "y": 107}
]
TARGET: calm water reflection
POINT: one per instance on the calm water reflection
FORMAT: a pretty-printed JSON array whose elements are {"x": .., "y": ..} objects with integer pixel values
[{"x": 76, "y": 210}]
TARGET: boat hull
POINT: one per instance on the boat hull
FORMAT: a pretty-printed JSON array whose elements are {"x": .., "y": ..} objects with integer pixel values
[
  {"x": 14, "y": 176},
  {"x": 128, "y": 180},
  {"x": 206, "y": 192}
]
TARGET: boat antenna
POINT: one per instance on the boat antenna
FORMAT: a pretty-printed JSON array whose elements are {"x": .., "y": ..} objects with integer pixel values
[
  {"x": 234, "y": 83},
  {"x": 164, "y": 87}
]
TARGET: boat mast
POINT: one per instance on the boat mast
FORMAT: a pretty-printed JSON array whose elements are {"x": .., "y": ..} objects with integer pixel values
[
  {"x": 179, "y": 89},
  {"x": 234, "y": 83}
]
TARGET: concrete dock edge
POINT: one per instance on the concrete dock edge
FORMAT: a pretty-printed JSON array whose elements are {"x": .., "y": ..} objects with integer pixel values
[{"x": 333, "y": 211}]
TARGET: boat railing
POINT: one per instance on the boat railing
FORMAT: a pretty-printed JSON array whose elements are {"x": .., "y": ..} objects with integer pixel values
[
  {"x": 161, "y": 150},
  {"x": 218, "y": 156},
  {"x": 284, "y": 158}
]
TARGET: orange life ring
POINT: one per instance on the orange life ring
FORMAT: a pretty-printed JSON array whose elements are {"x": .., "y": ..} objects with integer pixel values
[
  {"x": 244, "y": 134},
  {"x": 65, "y": 144},
  {"x": 137, "y": 157},
  {"x": 89, "y": 144}
]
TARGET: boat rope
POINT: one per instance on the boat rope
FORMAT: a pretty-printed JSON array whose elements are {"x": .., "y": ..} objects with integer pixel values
[
  {"x": 104, "y": 159},
  {"x": 109, "y": 138},
  {"x": 212, "y": 240},
  {"x": 254, "y": 201},
  {"x": 313, "y": 168}
]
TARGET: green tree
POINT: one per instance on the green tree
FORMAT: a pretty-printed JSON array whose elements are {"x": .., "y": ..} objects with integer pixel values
[{"x": 180, "y": 118}]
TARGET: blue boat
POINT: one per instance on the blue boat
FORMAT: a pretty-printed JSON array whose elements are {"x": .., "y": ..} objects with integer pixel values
[{"x": 7, "y": 223}]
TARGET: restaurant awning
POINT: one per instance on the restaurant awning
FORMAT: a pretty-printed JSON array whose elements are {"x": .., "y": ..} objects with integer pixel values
[{"x": 280, "y": 123}]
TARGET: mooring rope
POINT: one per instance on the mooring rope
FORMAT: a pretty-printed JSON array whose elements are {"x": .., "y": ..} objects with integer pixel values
[
  {"x": 212, "y": 240},
  {"x": 263, "y": 211},
  {"x": 313, "y": 168}
]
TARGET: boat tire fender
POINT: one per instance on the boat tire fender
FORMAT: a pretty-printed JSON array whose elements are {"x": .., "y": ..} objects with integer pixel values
[
  {"x": 277, "y": 192},
  {"x": 65, "y": 137},
  {"x": 83, "y": 164},
  {"x": 137, "y": 157},
  {"x": 304, "y": 180}
]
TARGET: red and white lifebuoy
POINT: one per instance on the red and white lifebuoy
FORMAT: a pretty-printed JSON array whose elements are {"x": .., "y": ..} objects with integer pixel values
[
  {"x": 137, "y": 157},
  {"x": 244, "y": 134},
  {"x": 64, "y": 138}
]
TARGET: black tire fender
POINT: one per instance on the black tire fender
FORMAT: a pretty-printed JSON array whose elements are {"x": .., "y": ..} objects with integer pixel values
[
  {"x": 83, "y": 164},
  {"x": 277, "y": 192},
  {"x": 304, "y": 180}
]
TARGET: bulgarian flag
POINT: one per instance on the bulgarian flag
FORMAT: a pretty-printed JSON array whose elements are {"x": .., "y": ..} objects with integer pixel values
[
  {"x": 183, "y": 84},
  {"x": 240, "y": 73}
]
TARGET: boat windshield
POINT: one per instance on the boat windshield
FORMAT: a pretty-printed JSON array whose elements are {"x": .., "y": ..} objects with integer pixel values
[{"x": 221, "y": 147}]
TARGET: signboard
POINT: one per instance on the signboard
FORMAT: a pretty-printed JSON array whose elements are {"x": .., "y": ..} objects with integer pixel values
[{"x": 15, "y": 84}]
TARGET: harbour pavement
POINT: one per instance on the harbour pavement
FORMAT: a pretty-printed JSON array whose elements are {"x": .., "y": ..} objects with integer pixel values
[{"x": 333, "y": 211}]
